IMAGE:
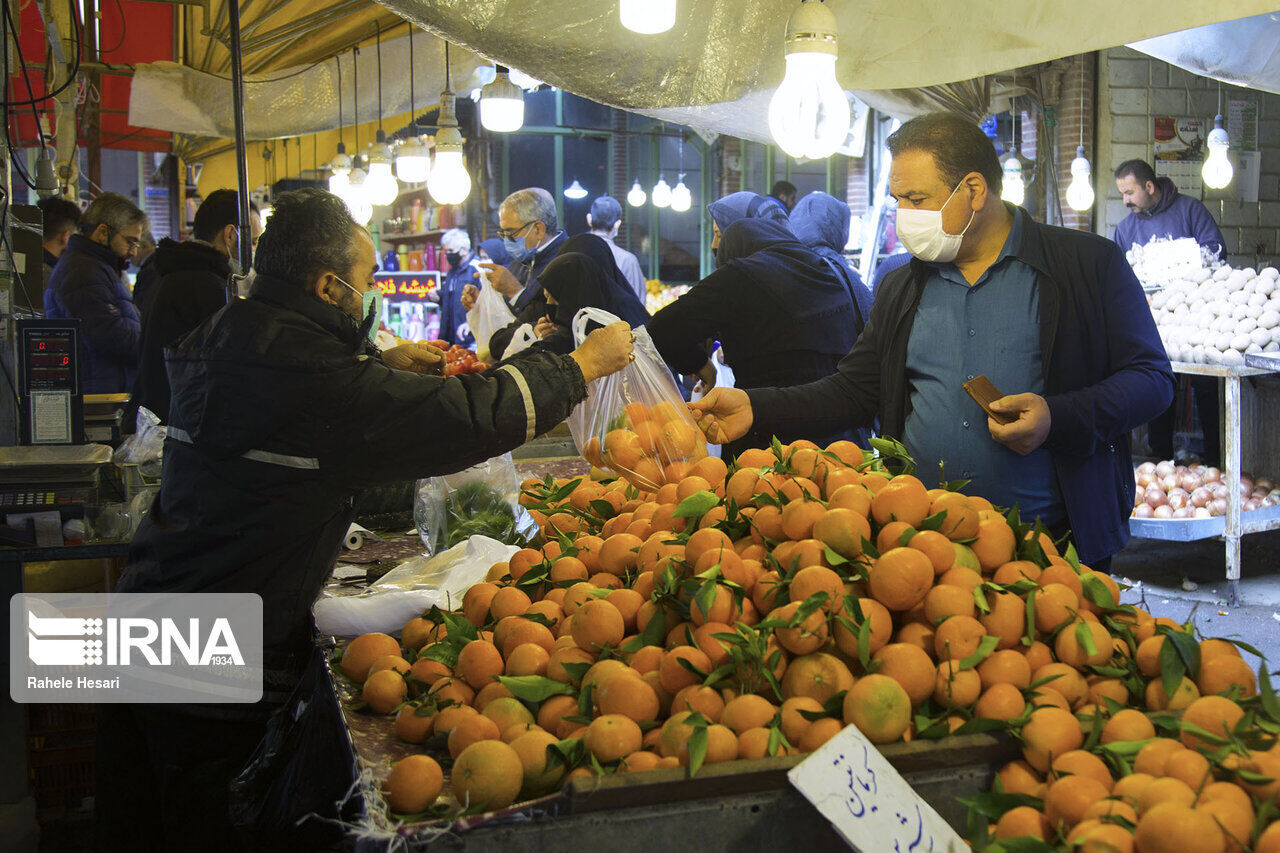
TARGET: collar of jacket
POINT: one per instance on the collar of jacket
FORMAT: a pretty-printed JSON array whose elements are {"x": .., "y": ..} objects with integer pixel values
[
  {"x": 84, "y": 246},
  {"x": 1168, "y": 193},
  {"x": 290, "y": 296},
  {"x": 171, "y": 256},
  {"x": 50, "y": 258}
]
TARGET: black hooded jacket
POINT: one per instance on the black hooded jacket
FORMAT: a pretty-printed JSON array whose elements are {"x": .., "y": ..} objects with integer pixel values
[
  {"x": 188, "y": 284},
  {"x": 282, "y": 413}
]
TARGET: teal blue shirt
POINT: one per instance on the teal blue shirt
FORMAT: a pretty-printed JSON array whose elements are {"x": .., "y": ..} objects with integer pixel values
[{"x": 962, "y": 331}]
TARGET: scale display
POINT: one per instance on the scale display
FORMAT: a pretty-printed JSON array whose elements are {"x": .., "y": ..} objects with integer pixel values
[
  {"x": 50, "y": 407},
  {"x": 49, "y": 361}
]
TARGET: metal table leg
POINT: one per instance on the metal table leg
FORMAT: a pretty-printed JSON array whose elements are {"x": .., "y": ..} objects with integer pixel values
[{"x": 1231, "y": 435}]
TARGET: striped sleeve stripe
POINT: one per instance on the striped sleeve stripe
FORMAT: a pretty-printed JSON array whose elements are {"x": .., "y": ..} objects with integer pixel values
[{"x": 531, "y": 430}]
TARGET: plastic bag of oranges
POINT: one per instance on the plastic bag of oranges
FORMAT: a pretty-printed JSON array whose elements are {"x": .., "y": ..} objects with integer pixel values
[{"x": 634, "y": 422}]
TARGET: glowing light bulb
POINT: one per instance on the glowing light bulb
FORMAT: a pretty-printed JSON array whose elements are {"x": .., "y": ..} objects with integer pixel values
[
  {"x": 413, "y": 161},
  {"x": 661, "y": 193},
  {"x": 357, "y": 197},
  {"x": 681, "y": 198},
  {"x": 341, "y": 162},
  {"x": 1015, "y": 190},
  {"x": 636, "y": 197},
  {"x": 502, "y": 104},
  {"x": 1217, "y": 171},
  {"x": 647, "y": 17},
  {"x": 381, "y": 186},
  {"x": 575, "y": 190},
  {"x": 1080, "y": 192},
  {"x": 448, "y": 181},
  {"x": 809, "y": 113},
  {"x": 339, "y": 182}
]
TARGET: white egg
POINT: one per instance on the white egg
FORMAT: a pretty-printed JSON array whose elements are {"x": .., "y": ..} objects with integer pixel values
[
  {"x": 1241, "y": 342},
  {"x": 1257, "y": 300},
  {"x": 1260, "y": 337},
  {"x": 1268, "y": 319},
  {"x": 1233, "y": 358},
  {"x": 1240, "y": 310}
]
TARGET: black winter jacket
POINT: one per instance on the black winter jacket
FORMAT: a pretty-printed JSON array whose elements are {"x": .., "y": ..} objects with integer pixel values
[
  {"x": 188, "y": 284},
  {"x": 1105, "y": 373},
  {"x": 281, "y": 415}
]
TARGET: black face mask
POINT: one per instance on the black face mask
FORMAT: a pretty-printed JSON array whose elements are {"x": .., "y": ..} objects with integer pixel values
[{"x": 454, "y": 259}]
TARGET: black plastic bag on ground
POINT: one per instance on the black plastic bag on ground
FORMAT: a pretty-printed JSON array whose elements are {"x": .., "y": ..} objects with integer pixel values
[{"x": 302, "y": 768}]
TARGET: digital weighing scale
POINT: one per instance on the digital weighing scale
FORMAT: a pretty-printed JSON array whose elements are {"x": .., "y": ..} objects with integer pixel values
[{"x": 50, "y": 406}]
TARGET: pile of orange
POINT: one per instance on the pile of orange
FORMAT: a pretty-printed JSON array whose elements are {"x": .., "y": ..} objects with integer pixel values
[
  {"x": 771, "y": 603},
  {"x": 648, "y": 446}
]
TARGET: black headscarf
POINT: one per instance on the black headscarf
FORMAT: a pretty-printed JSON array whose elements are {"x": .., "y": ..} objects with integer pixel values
[
  {"x": 814, "y": 305},
  {"x": 602, "y": 287}
]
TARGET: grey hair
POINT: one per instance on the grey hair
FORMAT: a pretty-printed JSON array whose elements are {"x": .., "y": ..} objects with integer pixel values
[
  {"x": 455, "y": 239},
  {"x": 533, "y": 204},
  {"x": 310, "y": 232},
  {"x": 112, "y": 210}
]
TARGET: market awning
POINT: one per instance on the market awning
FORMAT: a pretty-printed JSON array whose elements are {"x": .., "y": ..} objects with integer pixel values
[{"x": 1243, "y": 53}]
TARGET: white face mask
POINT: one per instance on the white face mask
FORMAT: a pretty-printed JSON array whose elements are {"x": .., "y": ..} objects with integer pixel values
[{"x": 921, "y": 232}]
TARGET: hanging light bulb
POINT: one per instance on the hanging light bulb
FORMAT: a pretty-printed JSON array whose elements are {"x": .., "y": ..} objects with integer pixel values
[
  {"x": 413, "y": 161},
  {"x": 681, "y": 198},
  {"x": 575, "y": 190},
  {"x": 502, "y": 103},
  {"x": 661, "y": 193},
  {"x": 380, "y": 185},
  {"x": 636, "y": 197},
  {"x": 1015, "y": 190},
  {"x": 357, "y": 197},
  {"x": 448, "y": 181},
  {"x": 340, "y": 181},
  {"x": 809, "y": 113},
  {"x": 340, "y": 165},
  {"x": 647, "y": 17},
  {"x": 1217, "y": 171},
  {"x": 1080, "y": 192}
]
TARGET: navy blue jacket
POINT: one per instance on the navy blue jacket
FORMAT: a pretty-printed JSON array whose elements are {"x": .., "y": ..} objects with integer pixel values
[
  {"x": 452, "y": 314},
  {"x": 1105, "y": 373},
  {"x": 1175, "y": 215},
  {"x": 86, "y": 285}
]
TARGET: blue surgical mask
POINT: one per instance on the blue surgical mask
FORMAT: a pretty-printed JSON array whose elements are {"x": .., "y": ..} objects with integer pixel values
[
  {"x": 370, "y": 306},
  {"x": 516, "y": 249}
]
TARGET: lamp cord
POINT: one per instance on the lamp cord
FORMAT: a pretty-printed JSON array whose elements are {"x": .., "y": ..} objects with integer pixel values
[
  {"x": 413, "y": 122},
  {"x": 355, "y": 93},
  {"x": 378, "y": 47},
  {"x": 338, "y": 61}
]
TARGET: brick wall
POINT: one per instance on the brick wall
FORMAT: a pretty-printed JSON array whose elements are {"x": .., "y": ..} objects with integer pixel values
[
  {"x": 1137, "y": 88},
  {"x": 1075, "y": 115}
]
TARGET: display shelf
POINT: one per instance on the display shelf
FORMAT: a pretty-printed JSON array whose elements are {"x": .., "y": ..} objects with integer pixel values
[
  {"x": 1268, "y": 361},
  {"x": 1234, "y": 524},
  {"x": 416, "y": 235}
]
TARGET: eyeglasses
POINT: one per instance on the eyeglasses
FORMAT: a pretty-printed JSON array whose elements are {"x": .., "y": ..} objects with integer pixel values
[
  {"x": 131, "y": 242},
  {"x": 512, "y": 233}
]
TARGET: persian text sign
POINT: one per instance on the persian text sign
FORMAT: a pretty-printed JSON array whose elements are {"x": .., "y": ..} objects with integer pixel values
[
  {"x": 868, "y": 802},
  {"x": 154, "y": 647}
]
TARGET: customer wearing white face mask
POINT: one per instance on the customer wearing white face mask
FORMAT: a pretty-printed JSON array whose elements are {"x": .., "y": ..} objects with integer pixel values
[{"x": 1053, "y": 317}]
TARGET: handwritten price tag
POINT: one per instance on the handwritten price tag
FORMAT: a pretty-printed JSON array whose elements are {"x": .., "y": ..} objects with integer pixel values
[{"x": 868, "y": 802}]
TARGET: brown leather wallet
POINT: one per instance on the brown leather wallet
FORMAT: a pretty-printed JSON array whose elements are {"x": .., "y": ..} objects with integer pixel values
[{"x": 984, "y": 393}]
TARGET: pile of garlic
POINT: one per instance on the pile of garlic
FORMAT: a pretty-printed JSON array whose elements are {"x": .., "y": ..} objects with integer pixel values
[{"x": 1217, "y": 316}]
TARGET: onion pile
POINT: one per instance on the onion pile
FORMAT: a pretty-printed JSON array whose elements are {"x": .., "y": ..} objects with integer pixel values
[
  {"x": 1165, "y": 490},
  {"x": 1218, "y": 316}
]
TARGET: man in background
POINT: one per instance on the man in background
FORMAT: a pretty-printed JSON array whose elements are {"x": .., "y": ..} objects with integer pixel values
[
  {"x": 60, "y": 220},
  {"x": 87, "y": 285},
  {"x": 190, "y": 284},
  {"x": 604, "y": 219},
  {"x": 456, "y": 244},
  {"x": 1158, "y": 210},
  {"x": 784, "y": 193}
]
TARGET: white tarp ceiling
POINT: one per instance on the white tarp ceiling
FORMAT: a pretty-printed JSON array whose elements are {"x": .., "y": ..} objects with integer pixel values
[
  {"x": 1245, "y": 52},
  {"x": 713, "y": 72}
]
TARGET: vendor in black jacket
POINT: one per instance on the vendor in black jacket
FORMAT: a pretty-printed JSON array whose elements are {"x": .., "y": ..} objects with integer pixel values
[
  {"x": 1055, "y": 318},
  {"x": 189, "y": 283},
  {"x": 282, "y": 412}
]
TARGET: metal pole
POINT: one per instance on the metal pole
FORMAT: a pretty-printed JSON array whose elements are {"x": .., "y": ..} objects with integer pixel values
[
  {"x": 242, "y": 154},
  {"x": 1231, "y": 475}
]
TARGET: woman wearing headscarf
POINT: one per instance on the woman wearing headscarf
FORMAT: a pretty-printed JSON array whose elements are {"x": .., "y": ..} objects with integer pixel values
[
  {"x": 494, "y": 250},
  {"x": 821, "y": 222},
  {"x": 584, "y": 275},
  {"x": 779, "y": 311},
  {"x": 744, "y": 205}
]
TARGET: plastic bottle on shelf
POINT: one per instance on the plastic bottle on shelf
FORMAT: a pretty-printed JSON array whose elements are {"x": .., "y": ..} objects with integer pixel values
[
  {"x": 402, "y": 251},
  {"x": 390, "y": 261},
  {"x": 415, "y": 217},
  {"x": 415, "y": 261}
]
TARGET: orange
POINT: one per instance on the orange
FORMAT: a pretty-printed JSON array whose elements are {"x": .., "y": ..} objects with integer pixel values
[
  {"x": 411, "y": 726},
  {"x": 957, "y": 637},
  {"x": 1054, "y": 604},
  {"x": 1224, "y": 673},
  {"x": 954, "y": 687},
  {"x": 531, "y": 748},
  {"x": 1015, "y": 571},
  {"x": 384, "y": 691},
  {"x": 1068, "y": 648},
  {"x": 1006, "y": 620},
  {"x": 1157, "y": 700},
  {"x": 597, "y": 624},
  {"x": 507, "y": 711},
  {"x": 852, "y": 496},
  {"x": 819, "y": 732},
  {"x": 1235, "y": 821},
  {"x": 515, "y": 630},
  {"x": 1214, "y": 648},
  {"x": 754, "y": 744},
  {"x": 818, "y": 676},
  {"x": 479, "y": 663},
  {"x": 793, "y": 723},
  {"x": 638, "y": 762},
  {"x": 707, "y": 539},
  {"x": 673, "y": 676},
  {"x": 1081, "y": 763},
  {"x": 1216, "y": 715},
  {"x": 1022, "y": 821},
  {"x": 475, "y": 603},
  {"x": 915, "y": 634},
  {"x": 1000, "y": 702},
  {"x": 900, "y": 578},
  {"x": 361, "y": 652},
  {"x": 1152, "y": 757},
  {"x": 879, "y": 707},
  {"x": 414, "y": 783},
  {"x": 1176, "y": 828},
  {"x": 880, "y": 630},
  {"x": 487, "y": 776},
  {"x": 1094, "y": 836},
  {"x": 715, "y": 649},
  {"x": 704, "y": 700},
  {"x": 1069, "y": 797},
  {"x": 807, "y": 637},
  {"x": 722, "y": 745},
  {"x": 1110, "y": 688},
  {"x": 675, "y": 732},
  {"x": 892, "y": 535},
  {"x": 622, "y": 450},
  {"x": 392, "y": 662},
  {"x": 625, "y": 693},
  {"x": 417, "y": 632},
  {"x": 910, "y": 667},
  {"x": 1129, "y": 788},
  {"x": 961, "y": 519},
  {"x": 945, "y": 600},
  {"x": 1065, "y": 575},
  {"x": 747, "y": 712},
  {"x": 1038, "y": 655},
  {"x": 1068, "y": 681},
  {"x": 1018, "y": 777},
  {"x": 1165, "y": 790},
  {"x": 815, "y": 579},
  {"x": 995, "y": 543},
  {"x": 1269, "y": 840},
  {"x": 612, "y": 736},
  {"x": 799, "y": 517},
  {"x": 1190, "y": 767},
  {"x": 904, "y": 498},
  {"x": 1005, "y": 667},
  {"x": 1147, "y": 656},
  {"x": 842, "y": 530},
  {"x": 472, "y": 728},
  {"x": 936, "y": 547},
  {"x": 961, "y": 576},
  {"x": 1127, "y": 725},
  {"x": 618, "y": 553},
  {"x": 1112, "y": 808},
  {"x": 1049, "y": 732},
  {"x": 724, "y": 608}
]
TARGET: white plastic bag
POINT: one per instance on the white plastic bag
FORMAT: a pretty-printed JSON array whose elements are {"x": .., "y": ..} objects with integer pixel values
[
  {"x": 145, "y": 447},
  {"x": 724, "y": 379},
  {"x": 523, "y": 338},
  {"x": 490, "y": 313},
  {"x": 634, "y": 422}
]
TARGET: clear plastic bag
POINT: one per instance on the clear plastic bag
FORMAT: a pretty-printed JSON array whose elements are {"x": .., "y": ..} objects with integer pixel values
[
  {"x": 724, "y": 379},
  {"x": 523, "y": 338},
  {"x": 634, "y": 422},
  {"x": 145, "y": 447},
  {"x": 480, "y": 500},
  {"x": 490, "y": 313}
]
